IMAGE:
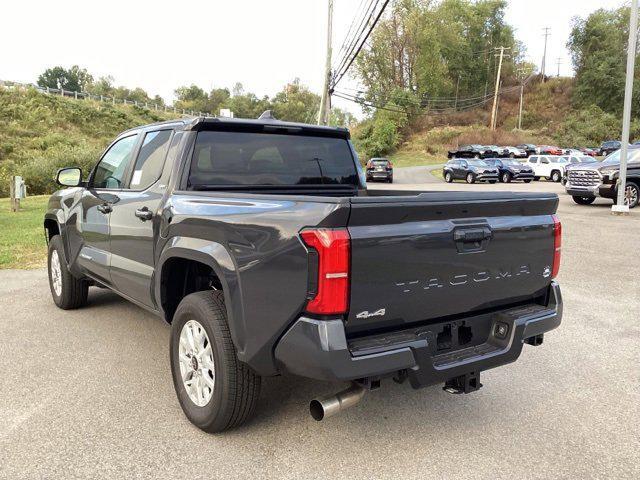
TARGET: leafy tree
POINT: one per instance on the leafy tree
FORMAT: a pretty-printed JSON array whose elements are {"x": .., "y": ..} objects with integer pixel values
[
  {"x": 598, "y": 46},
  {"x": 431, "y": 49},
  {"x": 74, "y": 79}
]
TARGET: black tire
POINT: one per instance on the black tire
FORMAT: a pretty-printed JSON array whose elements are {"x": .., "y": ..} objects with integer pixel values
[
  {"x": 236, "y": 387},
  {"x": 512, "y": 155},
  {"x": 448, "y": 177},
  {"x": 73, "y": 291},
  {"x": 583, "y": 200},
  {"x": 536, "y": 179},
  {"x": 471, "y": 178},
  {"x": 505, "y": 177},
  {"x": 493, "y": 181},
  {"x": 527, "y": 181},
  {"x": 556, "y": 176},
  {"x": 390, "y": 180}
]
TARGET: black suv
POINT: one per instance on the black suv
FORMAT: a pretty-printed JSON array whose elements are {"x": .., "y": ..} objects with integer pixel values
[
  {"x": 470, "y": 170},
  {"x": 509, "y": 169},
  {"x": 529, "y": 148},
  {"x": 379, "y": 169},
  {"x": 471, "y": 151},
  {"x": 609, "y": 147}
]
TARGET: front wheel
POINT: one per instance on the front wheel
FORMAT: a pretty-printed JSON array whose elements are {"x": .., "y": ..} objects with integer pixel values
[
  {"x": 555, "y": 176},
  {"x": 536, "y": 178},
  {"x": 527, "y": 181},
  {"x": 631, "y": 195},
  {"x": 471, "y": 178},
  {"x": 68, "y": 292},
  {"x": 583, "y": 200},
  {"x": 448, "y": 177},
  {"x": 215, "y": 390},
  {"x": 506, "y": 177}
]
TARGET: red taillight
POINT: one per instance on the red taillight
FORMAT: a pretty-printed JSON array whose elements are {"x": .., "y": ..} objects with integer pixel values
[
  {"x": 557, "y": 245},
  {"x": 332, "y": 290}
]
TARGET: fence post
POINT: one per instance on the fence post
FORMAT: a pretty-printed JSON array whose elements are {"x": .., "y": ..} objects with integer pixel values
[
  {"x": 75, "y": 95},
  {"x": 15, "y": 202},
  {"x": 114, "y": 100},
  {"x": 47, "y": 90}
]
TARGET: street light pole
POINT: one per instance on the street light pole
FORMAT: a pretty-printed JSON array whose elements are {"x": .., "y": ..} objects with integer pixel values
[{"x": 620, "y": 207}]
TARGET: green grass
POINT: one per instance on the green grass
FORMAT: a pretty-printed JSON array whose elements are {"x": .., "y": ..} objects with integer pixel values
[
  {"x": 408, "y": 158},
  {"x": 22, "y": 242},
  {"x": 437, "y": 173}
]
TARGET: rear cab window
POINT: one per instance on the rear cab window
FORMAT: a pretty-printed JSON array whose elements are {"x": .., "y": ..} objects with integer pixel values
[{"x": 222, "y": 158}]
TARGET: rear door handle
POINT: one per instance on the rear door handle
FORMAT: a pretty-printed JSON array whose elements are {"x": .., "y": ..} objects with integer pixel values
[
  {"x": 144, "y": 214},
  {"x": 105, "y": 208}
]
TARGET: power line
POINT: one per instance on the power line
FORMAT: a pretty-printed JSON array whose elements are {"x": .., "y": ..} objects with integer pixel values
[
  {"x": 357, "y": 34},
  {"x": 356, "y": 17},
  {"x": 344, "y": 70}
]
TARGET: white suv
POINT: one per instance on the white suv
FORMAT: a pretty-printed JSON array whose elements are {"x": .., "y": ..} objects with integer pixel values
[{"x": 550, "y": 167}]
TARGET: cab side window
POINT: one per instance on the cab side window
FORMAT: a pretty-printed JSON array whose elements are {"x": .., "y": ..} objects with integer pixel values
[
  {"x": 533, "y": 159},
  {"x": 544, "y": 160},
  {"x": 150, "y": 161},
  {"x": 111, "y": 169}
]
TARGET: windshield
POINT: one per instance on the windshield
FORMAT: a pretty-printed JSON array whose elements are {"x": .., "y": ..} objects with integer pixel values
[
  {"x": 633, "y": 156},
  {"x": 242, "y": 158},
  {"x": 478, "y": 163},
  {"x": 510, "y": 162}
]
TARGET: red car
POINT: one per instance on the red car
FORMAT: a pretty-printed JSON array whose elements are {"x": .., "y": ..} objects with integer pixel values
[
  {"x": 589, "y": 151},
  {"x": 550, "y": 150}
]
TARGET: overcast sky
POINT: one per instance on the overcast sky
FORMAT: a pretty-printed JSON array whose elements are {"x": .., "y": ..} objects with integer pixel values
[{"x": 160, "y": 45}]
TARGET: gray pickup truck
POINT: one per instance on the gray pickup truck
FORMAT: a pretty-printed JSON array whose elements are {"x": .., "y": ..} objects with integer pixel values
[{"x": 259, "y": 242}]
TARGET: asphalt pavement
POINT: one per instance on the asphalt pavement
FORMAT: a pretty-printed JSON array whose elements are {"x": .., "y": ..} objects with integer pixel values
[{"x": 88, "y": 393}]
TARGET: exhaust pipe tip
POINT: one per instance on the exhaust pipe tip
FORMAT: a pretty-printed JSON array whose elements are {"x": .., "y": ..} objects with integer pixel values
[
  {"x": 329, "y": 406},
  {"x": 316, "y": 410}
]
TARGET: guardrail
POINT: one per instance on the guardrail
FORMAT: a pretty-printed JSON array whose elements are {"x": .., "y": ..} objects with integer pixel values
[{"x": 104, "y": 98}]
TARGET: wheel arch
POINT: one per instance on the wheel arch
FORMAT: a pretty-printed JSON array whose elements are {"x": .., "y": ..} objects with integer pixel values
[{"x": 182, "y": 253}]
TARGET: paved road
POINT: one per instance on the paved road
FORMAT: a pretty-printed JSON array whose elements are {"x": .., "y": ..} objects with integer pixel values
[{"x": 88, "y": 393}]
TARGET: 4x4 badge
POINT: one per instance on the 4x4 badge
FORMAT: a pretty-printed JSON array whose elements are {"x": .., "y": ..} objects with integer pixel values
[{"x": 378, "y": 313}]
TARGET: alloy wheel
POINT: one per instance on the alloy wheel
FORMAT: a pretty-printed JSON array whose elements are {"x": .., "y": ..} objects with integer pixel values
[
  {"x": 197, "y": 366},
  {"x": 56, "y": 273}
]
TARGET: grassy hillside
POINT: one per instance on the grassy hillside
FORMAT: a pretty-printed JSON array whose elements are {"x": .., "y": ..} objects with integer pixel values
[
  {"x": 548, "y": 118},
  {"x": 41, "y": 133}
]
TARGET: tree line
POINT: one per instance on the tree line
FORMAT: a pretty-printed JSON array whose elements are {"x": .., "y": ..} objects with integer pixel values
[{"x": 295, "y": 102}]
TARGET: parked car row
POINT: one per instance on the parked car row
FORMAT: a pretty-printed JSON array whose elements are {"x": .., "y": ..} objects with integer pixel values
[{"x": 488, "y": 170}]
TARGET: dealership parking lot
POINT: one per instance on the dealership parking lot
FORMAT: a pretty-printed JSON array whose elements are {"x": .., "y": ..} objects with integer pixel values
[{"x": 88, "y": 393}]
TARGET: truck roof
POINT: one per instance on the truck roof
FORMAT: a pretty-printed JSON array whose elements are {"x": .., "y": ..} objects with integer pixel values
[{"x": 252, "y": 125}]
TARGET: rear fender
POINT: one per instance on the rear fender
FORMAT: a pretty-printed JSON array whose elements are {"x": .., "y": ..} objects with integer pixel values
[{"x": 217, "y": 257}]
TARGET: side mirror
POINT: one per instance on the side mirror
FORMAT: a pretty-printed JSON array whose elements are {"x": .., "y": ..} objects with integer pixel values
[{"x": 69, "y": 177}]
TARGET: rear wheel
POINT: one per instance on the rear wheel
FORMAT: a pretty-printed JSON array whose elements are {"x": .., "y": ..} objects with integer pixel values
[
  {"x": 583, "y": 200},
  {"x": 215, "y": 390},
  {"x": 471, "y": 178},
  {"x": 68, "y": 292},
  {"x": 448, "y": 177},
  {"x": 506, "y": 177}
]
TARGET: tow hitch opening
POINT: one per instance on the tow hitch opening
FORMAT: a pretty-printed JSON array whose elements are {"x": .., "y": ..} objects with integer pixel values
[{"x": 467, "y": 383}]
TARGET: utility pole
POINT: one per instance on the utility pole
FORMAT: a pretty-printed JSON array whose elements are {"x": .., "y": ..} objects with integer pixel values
[
  {"x": 455, "y": 105},
  {"x": 325, "y": 101},
  {"x": 559, "y": 62},
  {"x": 620, "y": 208},
  {"x": 494, "y": 110},
  {"x": 520, "y": 108},
  {"x": 544, "y": 55}
]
